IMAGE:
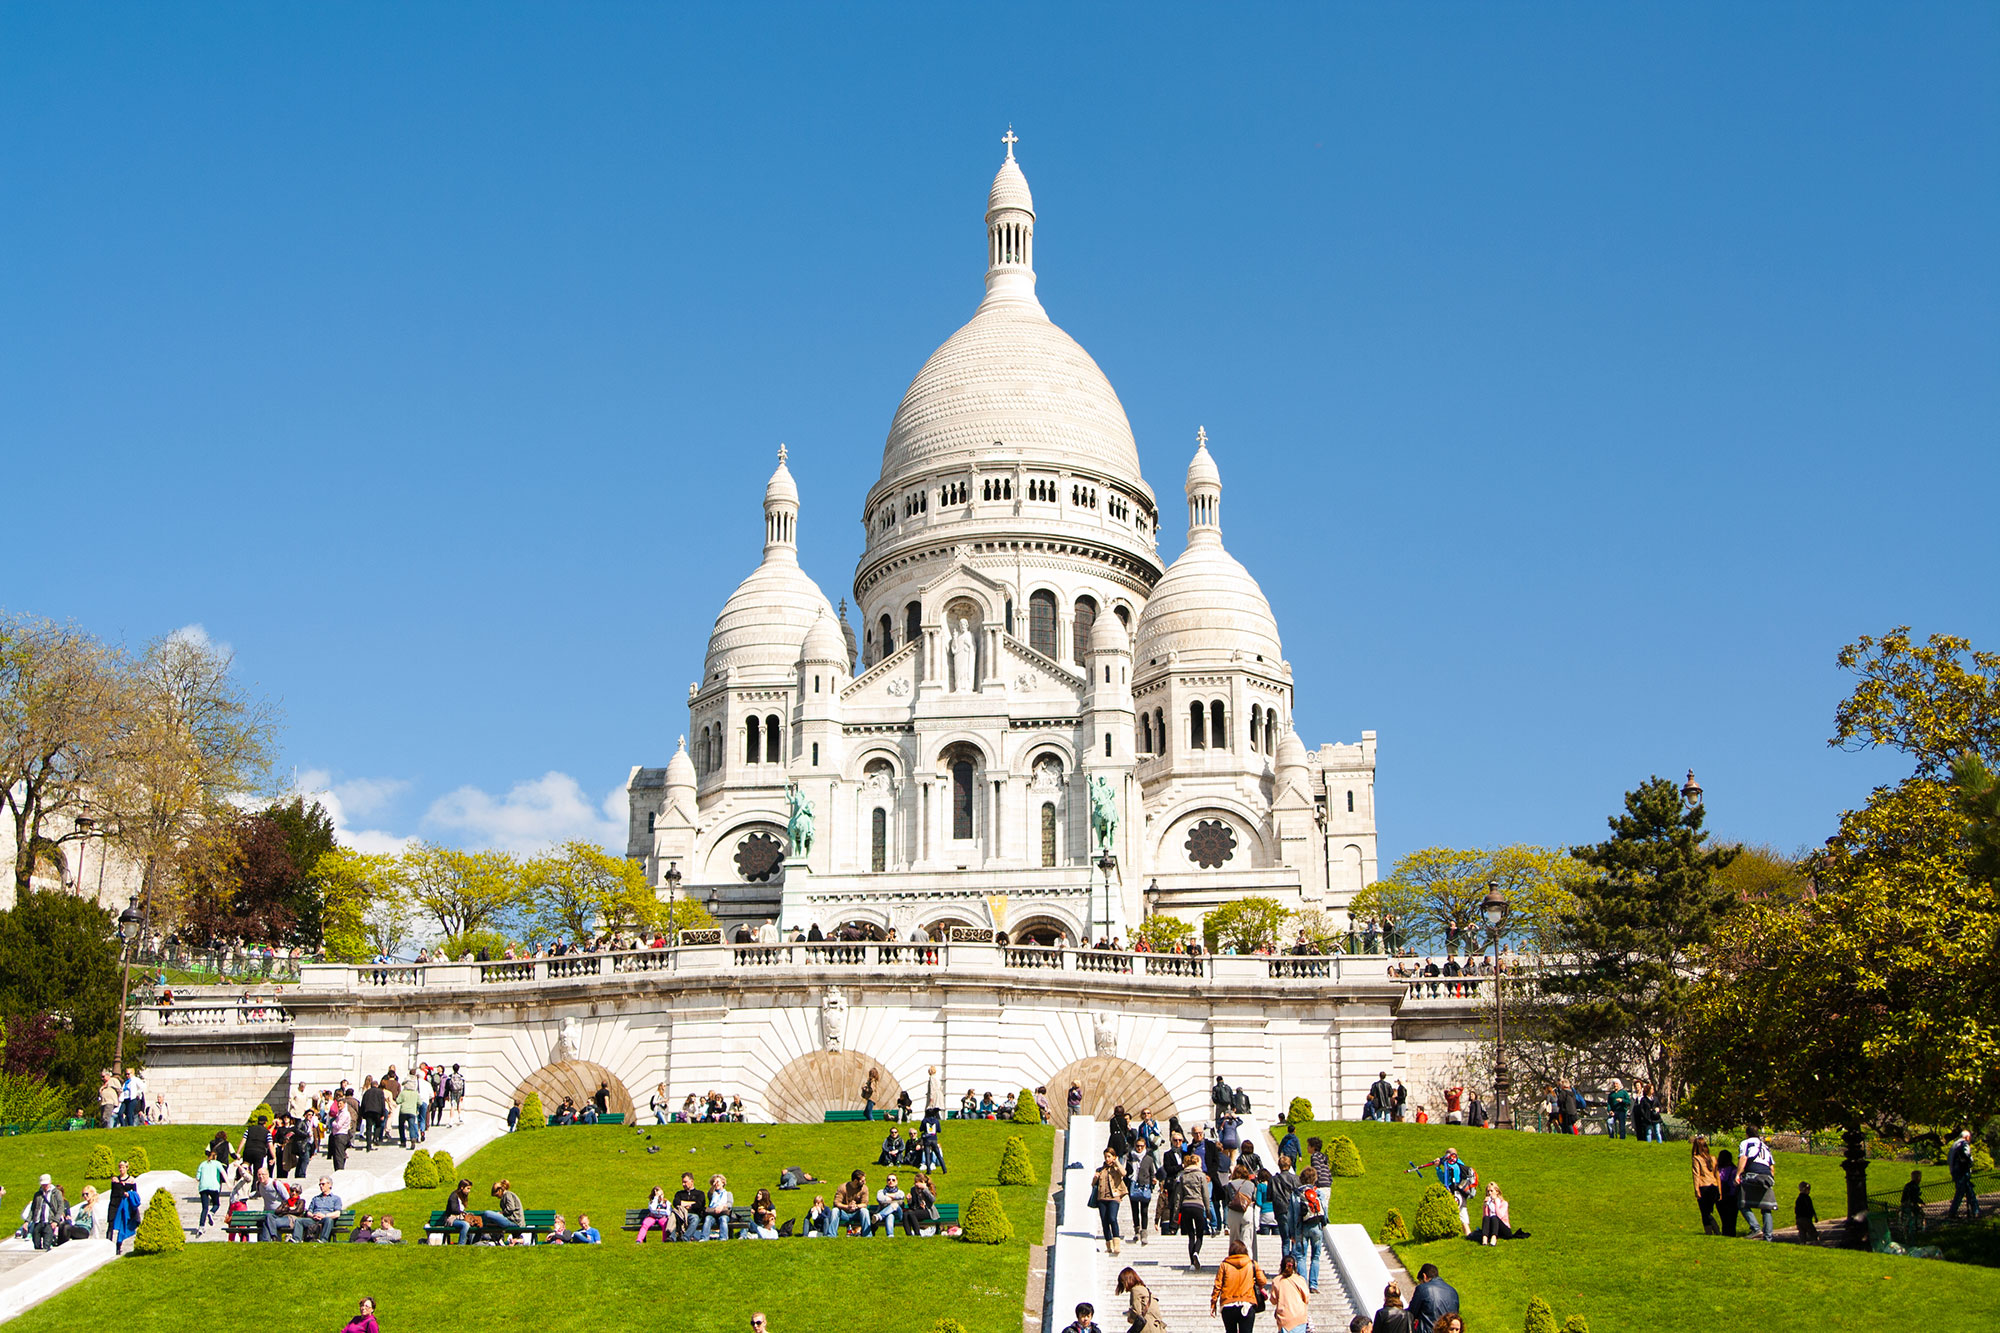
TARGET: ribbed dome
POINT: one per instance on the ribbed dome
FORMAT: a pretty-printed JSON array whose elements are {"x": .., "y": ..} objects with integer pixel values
[
  {"x": 764, "y": 622},
  {"x": 1011, "y": 377},
  {"x": 823, "y": 643},
  {"x": 1207, "y": 608},
  {"x": 781, "y": 489},
  {"x": 1107, "y": 635},
  {"x": 1010, "y": 189},
  {"x": 680, "y": 769}
]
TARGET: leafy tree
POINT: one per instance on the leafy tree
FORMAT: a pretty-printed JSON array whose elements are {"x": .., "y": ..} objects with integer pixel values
[
  {"x": 1164, "y": 933},
  {"x": 685, "y": 914},
  {"x": 463, "y": 890},
  {"x": 985, "y": 1221},
  {"x": 364, "y": 910},
  {"x": 260, "y": 882},
  {"x": 1761, "y": 873},
  {"x": 1979, "y": 802},
  {"x": 62, "y": 710},
  {"x": 1247, "y": 923},
  {"x": 1437, "y": 1215},
  {"x": 1026, "y": 1110},
  {"x": 26, "y": 1099},
  {"x": 1322, "y": 936},
  {"x": 1933, "y": 701},
  {"x": 473, "y": 943},
  {"x": 581, "y": 890},
  {"x": 1636, "y": 930},
  {"x": 160, "y": 1227},
  {"x": 1433, "y": 895},
  {"x": 57, "y": 957},
  {"x": 1016, "y": 1168}
]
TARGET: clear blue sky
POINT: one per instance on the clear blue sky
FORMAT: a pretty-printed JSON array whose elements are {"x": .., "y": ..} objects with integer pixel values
[{"x": 1582, "y": 377}]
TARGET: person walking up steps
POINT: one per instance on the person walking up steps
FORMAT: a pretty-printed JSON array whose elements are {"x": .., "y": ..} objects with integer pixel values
[
  {"x": 1107, "y": 1195},
  {"x": 1238, "y": 1290},
  {"x": 1141, "y": 1311},
  {"x": 1191, "y": 1204}
]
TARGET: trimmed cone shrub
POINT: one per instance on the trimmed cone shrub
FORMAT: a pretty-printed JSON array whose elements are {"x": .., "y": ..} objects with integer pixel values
[
  {"x": 1394, "y": 1230},
  {"x": 420, "y": 1173},
  {"x": 1576, "y": 1323},
  {"x": 985, "y": 1221},
  {"x": 159, "y": 1227},
  {"x": 102, "y": 1165},
  {"x": 1015, "y": 1166},
  {"x": 1541, "y": 1319},
  {"x": 446, "y": 1168},
  {"x": 1437, "y": 1215},
  {"x": 532, "y": 1114},
  {"x": 263, "y": 1113},
  {"x": 138, "y": 1161},
  {"x": 1025, "y": 1110},
  {"x": 1345, "y": 1157},
  {"x": 1300, "y": 1111}
]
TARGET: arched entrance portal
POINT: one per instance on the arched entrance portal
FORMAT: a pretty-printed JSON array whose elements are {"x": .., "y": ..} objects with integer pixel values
[
  {"x": 1108, "y": 1082},
  {"x": 820, "y": 1081},
  {"x": 578, "y": 1080}
]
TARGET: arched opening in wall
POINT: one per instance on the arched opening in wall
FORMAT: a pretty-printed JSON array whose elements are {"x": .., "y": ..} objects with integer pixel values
[
  {"x": 1271, "y": 731},
  {"x": 1042, "y": 622},
  {"x": 1040, "y": 930},
  {"x": 913, "y": 622},
  {"x": 1124, "y": 617},
  {"x": 885, "y": 635},
  {"x": 940, "y": 929},
  {"x": 1010, "y": 615},
  {"x": 1256, "y": 721},
  {"x": 1160, "y": 728},
  {"x": 803, "y": 1091},
  {"x": 962, "y": 764},
  {"x": 751, "y": 749},
  {"x": 1108, "y": 1082},
  {"x": 1197, "y": 730},
  {"x": 1145, "y": 734},
  {"x": 773, "y": 754},
  {"x": 1218, "y": 727},
  {"x": 878, "y": 840},
  {"x": 578, "y": 1080},
  {"x": 1079, "y": 635}
]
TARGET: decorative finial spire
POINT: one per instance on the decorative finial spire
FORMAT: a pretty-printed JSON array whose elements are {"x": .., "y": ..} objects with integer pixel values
[
  {"x": 1010, "y": 139},
  {"x": 781, "y": 453},
  {"x": 1200, "y": 436},
  {"x": 682, "y": 747}
]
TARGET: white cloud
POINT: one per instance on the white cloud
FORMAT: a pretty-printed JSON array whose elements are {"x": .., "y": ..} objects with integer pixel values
[
  {"x": 531, "y": 817},
  {"x": 197, "y": 635},
  {"x": 356, "y": 798}
]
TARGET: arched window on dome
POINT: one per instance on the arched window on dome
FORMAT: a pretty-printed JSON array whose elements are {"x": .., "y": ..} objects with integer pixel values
[
  {"x": 1197, "y": 731},
  {"x": 1145, "y": 733},
  {"x": 1124, "y": 614},
  {"x": 1079, "y": 635},
  {"x": 1271, "y": 731},
  {"x": 1218, "y": 727},
  {"x": 885, "y": 634},
  {"x": 878, "y": 840},
  {"x": 1010, "y": 616},
  {"x": 913, "y": 622},
  {"x": 772, "y": 753},
  {"x": 1160, "y": 730},
  {"x": 961, "y": 799},
  {"x": 1048, "y": 833},
  {"x": 1042, "y": 622},
  {"x": 752, "y": 751},
  {"x": 1256, "y": 721}
]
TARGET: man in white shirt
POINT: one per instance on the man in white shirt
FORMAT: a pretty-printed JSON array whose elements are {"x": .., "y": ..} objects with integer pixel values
[{"x": 134, "y": 1108}]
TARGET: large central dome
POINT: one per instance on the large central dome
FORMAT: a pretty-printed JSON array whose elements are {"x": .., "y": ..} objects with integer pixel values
[{"x": 1011, "y": 382}]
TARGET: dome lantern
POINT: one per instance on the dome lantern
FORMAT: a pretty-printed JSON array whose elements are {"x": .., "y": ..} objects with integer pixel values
[
  {"x": 1010, "y": 233},
  {"x": 1204, "y": 493},
  {"x": 781, "y": 511}
]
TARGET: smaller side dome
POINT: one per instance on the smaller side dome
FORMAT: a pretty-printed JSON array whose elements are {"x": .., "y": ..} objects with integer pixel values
[
  {"x": 1107, "y": 635},
  {"x": 1010, "y": 187},
  {"x": 1291, "y": 753},
  {"x": 680, "y": 769},
  {"x": 824, "y": 642}
]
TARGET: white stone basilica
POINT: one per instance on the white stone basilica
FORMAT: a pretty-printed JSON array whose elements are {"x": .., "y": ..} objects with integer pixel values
[{"x": 1023, "y": 658}]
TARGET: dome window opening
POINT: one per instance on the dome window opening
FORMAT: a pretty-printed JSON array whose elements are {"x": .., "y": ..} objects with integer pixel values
[
  {"x": 1197, "y": 731},
  {"x": 1042, "y": 623},
  {"x": 1080, "y": 627},
  {"x": 1107, "y": 745},
  {"x": 815, "y": 754},
  {"x": 1145, "y": 733},
  {"x": 1218, "y": 727},
  {"x": 1256, "y": 719},
  {"x": 961, "y": 800},
  {"x": 884, "y": 633},
  {"x": 1160, "y": 729},
  {"x": 1271, "y": 731},
  {"x": 913, "y": 622},
  {"x": 1350, "y": 803},
  {"x": 751, "y": 747},
  {"x": 772, "y": 754}
]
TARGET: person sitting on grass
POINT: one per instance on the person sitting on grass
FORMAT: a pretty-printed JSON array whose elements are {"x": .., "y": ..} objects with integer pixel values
[
  {"x": 968, "y": 1105},
  {"x": 585, "y": 1233},
  {"x": 688, "y": 1203},
  {"x": 1494, "y": 1225},
  {"x": 850, "y": 1206},
  {"x": 890, "y": 1197},
  {"x": 659, "y": 1212},
  {"x": 715, "y": 1217},
  {"x": 818, "y": 1218},
  {"x": 1007, "y": 1106},
  {"x": 322, "y": 1214},
  {"x": 363, "y": 1322},
  {"x": 987, "y": 1110},
  {"x": 689, "y": 1111},
  {"x": 558, "y": 1232},
  {"x": 892, "y": 1150},
  {"x": 763, "y": 1216},
  {"x": 508, "y": 1217},
  {"x": 364, "y": 1230},
  {"x": 386, "y": 1232},
  {"x": 736, "y": 1109}
]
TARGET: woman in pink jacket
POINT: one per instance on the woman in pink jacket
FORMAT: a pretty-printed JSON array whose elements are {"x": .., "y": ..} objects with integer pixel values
[{"x": 1494, "y": 1226}]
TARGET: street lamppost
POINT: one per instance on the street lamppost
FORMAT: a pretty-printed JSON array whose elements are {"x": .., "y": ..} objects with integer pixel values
[
  {"x": 1495, "y": 908},
  {"x": 129, "y": 926},
  {"x": 673, "y": 878},
  {"x": 1691, "y": 792}
]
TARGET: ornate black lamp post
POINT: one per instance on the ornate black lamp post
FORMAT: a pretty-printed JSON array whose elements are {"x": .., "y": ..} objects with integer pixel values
[
  {"x": 130, "y": 926},
  {"x": 1496, "y": 909},
  {"x": 673, "y": 879}
]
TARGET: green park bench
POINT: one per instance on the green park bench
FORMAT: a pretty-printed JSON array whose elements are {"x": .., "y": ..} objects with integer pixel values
[
  {"x": 250, "y": 1221},
  {"x": 740, "y": 1219},
  {"x": 535, "y": 1223},
  {"x": 842, "y": 1117},
  {"x": 608, "y": 1118}
]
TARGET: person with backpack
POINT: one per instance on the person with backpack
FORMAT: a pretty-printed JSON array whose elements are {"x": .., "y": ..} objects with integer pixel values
[
  {"x": 1312, "y": 1232},
  {"x": 1221, "y": 1095},
  {"x": 1757, "y": 1179}
]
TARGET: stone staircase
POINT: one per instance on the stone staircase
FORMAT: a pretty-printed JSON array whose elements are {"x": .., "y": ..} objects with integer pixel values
[{"x": 1161, "y": 1262}]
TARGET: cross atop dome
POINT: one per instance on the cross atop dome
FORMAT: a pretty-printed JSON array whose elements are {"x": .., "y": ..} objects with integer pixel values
[
  {"x": 781, "y": 453},
  {"x": 1010, "y": 139},
  {"x": 1200, "y": 438}
]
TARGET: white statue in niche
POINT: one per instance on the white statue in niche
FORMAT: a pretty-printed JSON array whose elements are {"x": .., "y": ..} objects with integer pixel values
[
  {"x": 1107, "y": 1039},
  {"x": 963, "y": 650},
  {"x": 569, "y": 1041},
  {"x": 833, "y": 1017}
]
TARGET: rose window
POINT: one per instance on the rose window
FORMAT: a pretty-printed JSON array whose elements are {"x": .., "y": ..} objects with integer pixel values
[
  {"x": 1210, "y": 843},
  {"x": 758, "y": 857}
]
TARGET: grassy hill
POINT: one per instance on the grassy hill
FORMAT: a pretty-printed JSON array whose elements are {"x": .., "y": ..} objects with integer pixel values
[
  {"x": 1616, "y": 1237},
  {"x": 849, "y": 1284}
]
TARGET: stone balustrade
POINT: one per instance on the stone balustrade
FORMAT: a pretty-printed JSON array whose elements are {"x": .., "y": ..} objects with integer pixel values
[
  {"x": 739, "y": 962},
  {"x": 258, "y": 1014}
]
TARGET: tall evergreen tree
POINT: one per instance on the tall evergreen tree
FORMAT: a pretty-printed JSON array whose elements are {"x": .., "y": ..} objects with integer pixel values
[{"x": 1634, "y": 929}]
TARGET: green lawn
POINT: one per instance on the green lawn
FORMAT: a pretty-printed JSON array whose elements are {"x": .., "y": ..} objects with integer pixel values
[
  {"x": 24, "y": 1157},
  {"x": 1617, "y": 1239},
  {"x": 849, "y": 1284}
]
